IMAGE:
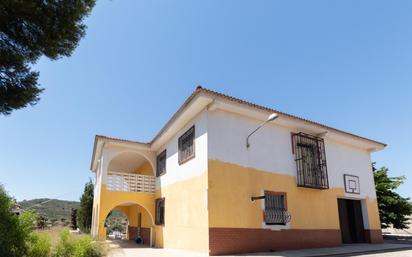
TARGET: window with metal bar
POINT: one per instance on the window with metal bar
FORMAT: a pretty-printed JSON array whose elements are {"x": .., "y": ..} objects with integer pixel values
[
  {"x": 161, "y": 164},
  {"x": 275, "y": 209},
  {"x": 310, "y": 161},
  {"x": 160, "y": 211},
  {"x": 187, "y": 145}
]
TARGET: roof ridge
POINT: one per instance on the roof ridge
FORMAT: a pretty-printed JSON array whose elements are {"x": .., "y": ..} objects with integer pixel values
[
  {"x": 200, "y": 88},
  {"x": 235, "y": 99},
  {"x": 120, "y": 139}
]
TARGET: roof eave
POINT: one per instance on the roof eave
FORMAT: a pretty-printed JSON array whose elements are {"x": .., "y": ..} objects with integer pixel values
[
  {"x": 100, "y": 140},
  {"x": 375, "y": 145},
  {"x": 270, "y": 110}
]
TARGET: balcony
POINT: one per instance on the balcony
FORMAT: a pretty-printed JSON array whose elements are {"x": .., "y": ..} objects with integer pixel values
[{"x": 130, "y": 182}]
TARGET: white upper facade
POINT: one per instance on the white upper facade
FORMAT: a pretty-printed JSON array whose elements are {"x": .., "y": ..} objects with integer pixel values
[
  {"x": 270, "y": 150},
  {"x": 222, "y": 124}
]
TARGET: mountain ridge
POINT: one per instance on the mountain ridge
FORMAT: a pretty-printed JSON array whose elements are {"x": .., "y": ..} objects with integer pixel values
[{"x": 52, "y": 209}]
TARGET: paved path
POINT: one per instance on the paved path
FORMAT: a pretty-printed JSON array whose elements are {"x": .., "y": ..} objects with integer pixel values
[
  {"x": 345, "y": 250},
  {"x": 407, "y": 253},
  {"x": 129, "y": 249}
]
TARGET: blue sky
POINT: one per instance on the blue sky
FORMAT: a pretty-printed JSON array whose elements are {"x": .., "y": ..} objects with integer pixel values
[{"x": 342, "y": 63}]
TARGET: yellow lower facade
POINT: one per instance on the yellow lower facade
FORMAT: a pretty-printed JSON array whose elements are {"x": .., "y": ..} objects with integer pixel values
[
  {"x": 186, "y": 216},
  {"x": 221, "y": 198},
  {"x": 130, "y": 203},
  {"x": 132, "y": 213},
  {"x": 232, "y": 186}
]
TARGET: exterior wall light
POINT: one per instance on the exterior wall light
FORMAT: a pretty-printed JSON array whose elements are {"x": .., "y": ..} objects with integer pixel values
[{"x": 271, "y": 117}]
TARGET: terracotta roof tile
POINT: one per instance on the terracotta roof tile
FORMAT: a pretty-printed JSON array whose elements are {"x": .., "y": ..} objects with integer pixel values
[
  {"x": 200, "y": 89},
  {"x": 119, "y": 139},
  {"x": 234, "y": 99}
]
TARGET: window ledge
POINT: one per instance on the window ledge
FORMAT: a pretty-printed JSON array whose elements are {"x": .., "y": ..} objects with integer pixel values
[
  {"x": 276, "y": 227},
  {"x": 186, "y": 160}
]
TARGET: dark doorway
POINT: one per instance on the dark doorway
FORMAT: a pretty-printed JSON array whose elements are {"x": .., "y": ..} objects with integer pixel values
[{"x": 351, "y": 221}]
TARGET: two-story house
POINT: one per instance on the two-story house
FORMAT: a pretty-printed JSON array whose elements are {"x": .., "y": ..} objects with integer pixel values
[{"x": 200, "y": 186}]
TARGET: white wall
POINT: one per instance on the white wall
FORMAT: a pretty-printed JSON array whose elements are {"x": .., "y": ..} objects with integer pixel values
[
  {"x": 174, "y": 171},
  {"x": 271, "y": 150},
  {"x": 193, "y": 167},
  {"x": 342, "y": 159}
]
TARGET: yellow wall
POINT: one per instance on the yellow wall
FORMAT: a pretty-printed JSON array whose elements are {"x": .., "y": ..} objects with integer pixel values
[
  {"x": 145, "y": 169},
  {"x": 373, "y": 213},
  {"x": 220, "y": 197},
  {"x": 186, "y": 217},
  {"x": 231, "y": 187},
  {"x": 132, "y": 213},
  {"x": 111, "y": 200}
]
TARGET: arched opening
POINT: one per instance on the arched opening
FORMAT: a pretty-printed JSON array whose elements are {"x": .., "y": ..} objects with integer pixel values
[
  {"x": 130, "y": 172},
  {"x": 131, "y": 162},
  {"x": 130, "y": 221},
  {"x": 116, "y": 225}
]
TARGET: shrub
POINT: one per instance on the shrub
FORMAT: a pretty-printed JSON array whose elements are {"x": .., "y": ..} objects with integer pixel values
[
  {"x": 86, "y": 248},
  {"x": 14, "y": 230},
  {"x": 17, "y": 238},
  {"x": 65, "y": 247},
  {"x": 39, "y": 245},
  {"x": 82, "y": 246}
]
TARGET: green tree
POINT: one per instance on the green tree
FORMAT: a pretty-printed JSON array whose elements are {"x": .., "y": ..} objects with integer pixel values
[
  {"x": 28, "y": 31},
  {"x": 73, "y": 215},
  {"x": 115, "y": 221},
  {"x": 86, "y": 207},
  {"x": 15, "y": 230},
  {"x": 41, "y": 221},
  {"x": 393, "y": 208}
]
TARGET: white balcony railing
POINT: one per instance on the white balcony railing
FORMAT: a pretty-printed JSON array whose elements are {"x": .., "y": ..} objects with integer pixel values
[{"x": 130, "y": 182}]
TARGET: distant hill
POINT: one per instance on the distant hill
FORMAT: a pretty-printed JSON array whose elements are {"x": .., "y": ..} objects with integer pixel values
[{"x": 51, "y": 208}]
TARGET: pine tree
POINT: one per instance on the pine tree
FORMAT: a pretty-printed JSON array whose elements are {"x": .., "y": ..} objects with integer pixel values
[
  {"x": 86, "y": 207},
  {"x": 28, "y": 31}
]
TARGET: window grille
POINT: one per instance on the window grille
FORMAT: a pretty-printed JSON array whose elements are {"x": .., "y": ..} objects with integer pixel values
[
  {"x": 310, "y": 161},
  {"x": 187, "y": 145},
  {"x": 275, "y": 209},
  {"x": 160, "y": 211},
  {"x": 161, "y": 164}
]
